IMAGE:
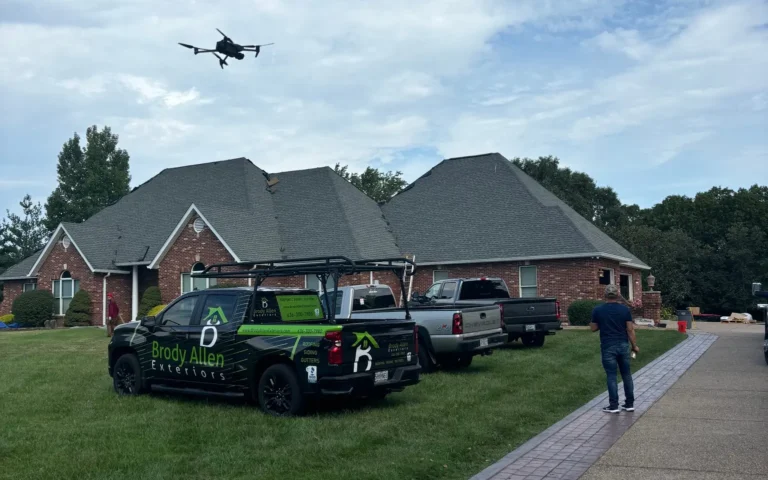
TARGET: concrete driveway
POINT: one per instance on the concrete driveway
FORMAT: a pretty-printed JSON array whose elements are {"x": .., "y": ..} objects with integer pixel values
[{"x": 711, "y": 424}]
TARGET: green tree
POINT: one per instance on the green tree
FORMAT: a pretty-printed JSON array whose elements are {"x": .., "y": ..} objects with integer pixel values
[
  {"x": 90, "y": 177},
  {"x": 79, "y": 311},
  {"x": 378, "y": 185},
  {"x": 149, "y": 300},
  {"x": 22, "y": 235}
]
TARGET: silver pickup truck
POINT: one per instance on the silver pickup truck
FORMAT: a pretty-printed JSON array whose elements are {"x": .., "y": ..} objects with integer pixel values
[{"x": 449, "y": 336}]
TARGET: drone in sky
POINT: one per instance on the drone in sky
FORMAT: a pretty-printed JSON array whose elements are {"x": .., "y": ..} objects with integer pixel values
[{"x": 228, "y": 48}]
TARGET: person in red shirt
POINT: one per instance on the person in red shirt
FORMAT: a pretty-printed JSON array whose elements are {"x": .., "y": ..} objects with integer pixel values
[{"x": 113, "y": 314}]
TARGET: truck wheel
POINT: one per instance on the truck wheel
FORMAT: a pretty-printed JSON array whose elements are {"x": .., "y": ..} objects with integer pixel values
[
  {"x": 279, "y": 392},
  {"x": 533, "y": 340},
  {"x": 424, "y": 360},
  {"x": 126, "y": 378},
  {"x": 465, "y": 361}
]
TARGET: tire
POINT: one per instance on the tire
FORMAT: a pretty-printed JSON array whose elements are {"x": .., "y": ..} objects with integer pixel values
[
  {"x": 279, "y": 392},
  {"x": 427, "y": 366},
  {"x": 533, "y": 340},
  {"x": 127, "y": 376},
  {"x": 465, "y": 361}
]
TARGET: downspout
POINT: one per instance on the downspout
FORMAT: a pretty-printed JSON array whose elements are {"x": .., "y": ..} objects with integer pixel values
[{"x": 104, "y": 300}]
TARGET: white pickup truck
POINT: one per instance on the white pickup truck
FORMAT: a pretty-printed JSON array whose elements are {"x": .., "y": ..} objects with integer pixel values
[{"x": 448, "y": 335}]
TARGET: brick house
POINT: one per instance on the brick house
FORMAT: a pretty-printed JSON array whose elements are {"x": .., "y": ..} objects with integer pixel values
[{"x": 468, "y": 216}]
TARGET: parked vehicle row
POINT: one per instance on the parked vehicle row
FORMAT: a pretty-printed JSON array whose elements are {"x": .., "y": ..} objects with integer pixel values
[{"x": 282, "y": 346}]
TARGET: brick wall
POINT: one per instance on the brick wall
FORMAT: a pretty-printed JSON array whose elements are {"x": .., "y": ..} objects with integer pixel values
[
  {"x": 61, "y": 259},
  {"x": 11, "y": 290},
  {"x": 652, "y": 306},
  {"x": 191, "y": 247},
  {"x": 120, "y": 286},
  {"x": 566, "y": 280}
]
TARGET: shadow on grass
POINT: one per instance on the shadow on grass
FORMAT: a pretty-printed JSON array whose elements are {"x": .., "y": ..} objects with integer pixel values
[{"x": 320, "y": 406}]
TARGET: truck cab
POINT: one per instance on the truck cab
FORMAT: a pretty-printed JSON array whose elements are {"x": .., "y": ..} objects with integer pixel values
[{"x": 529, "y": 319}]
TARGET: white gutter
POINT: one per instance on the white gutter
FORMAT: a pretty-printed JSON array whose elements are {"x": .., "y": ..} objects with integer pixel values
[
  {"x": 104, "y": 300},
  {"x": 135, "y": 293}
]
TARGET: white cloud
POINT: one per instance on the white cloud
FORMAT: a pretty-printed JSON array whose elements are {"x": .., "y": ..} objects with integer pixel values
[{"x": 363, "y": 82}]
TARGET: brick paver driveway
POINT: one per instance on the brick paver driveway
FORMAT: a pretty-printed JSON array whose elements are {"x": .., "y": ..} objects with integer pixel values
[{"x": 568, "y": 449}]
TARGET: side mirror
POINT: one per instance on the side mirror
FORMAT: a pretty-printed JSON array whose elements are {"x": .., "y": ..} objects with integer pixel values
[
  {"x": 415, "y": 296},
  {"x": 149, "y": 322}
]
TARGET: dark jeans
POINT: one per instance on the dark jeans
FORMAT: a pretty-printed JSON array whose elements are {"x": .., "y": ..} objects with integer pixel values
[{"x": 617, "y": 356}]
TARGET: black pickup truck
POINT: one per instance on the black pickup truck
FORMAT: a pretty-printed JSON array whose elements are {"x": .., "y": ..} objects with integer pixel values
[
  {"x": 274, "y": 345},
  {"x": 529, "y": 319}
]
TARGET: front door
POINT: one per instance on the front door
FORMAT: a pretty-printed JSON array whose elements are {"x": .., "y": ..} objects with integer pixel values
[
  {"x": 212, "y": 338},
  {"x": 171, "y": 341}
]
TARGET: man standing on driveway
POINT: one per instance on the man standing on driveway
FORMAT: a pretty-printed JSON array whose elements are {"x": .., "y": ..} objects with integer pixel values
[{"x": 617, "y": 333}]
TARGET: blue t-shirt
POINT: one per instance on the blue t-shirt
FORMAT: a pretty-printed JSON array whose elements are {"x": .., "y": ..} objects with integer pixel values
[{"x": 612, "y": 319}]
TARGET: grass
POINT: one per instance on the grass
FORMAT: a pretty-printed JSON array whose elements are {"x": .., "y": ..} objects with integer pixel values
[{"x": 61, "y": 419}]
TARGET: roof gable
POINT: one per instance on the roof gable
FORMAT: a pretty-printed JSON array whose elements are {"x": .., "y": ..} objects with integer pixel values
[{"x": 483, "y": 208}]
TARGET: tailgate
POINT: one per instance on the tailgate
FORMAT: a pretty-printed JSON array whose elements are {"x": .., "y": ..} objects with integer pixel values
[
  {"x": 479, "y": 319},
  {"x": 530, "y": 311},
  {"x": 378, "y": 345}
]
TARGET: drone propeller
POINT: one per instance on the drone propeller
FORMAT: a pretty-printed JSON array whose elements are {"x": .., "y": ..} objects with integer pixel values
[
  {"x": 224, "y": 35},
  {"x": 255, "y": 46},
  {"x": 222, "y": 62},
  {"x": 186, "y": 45}
]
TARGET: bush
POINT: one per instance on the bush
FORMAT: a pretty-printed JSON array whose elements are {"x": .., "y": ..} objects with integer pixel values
[
  {"x": 149, "y": 300},
  {"x": 7, "y": 318},
  {"x": 155, "y": 310},
  {"x": 667, "y": 313},
  {"x": 79, "y": 311},
  {"x": 32, "y": 309},
  {"x": 580, "y": 311}
]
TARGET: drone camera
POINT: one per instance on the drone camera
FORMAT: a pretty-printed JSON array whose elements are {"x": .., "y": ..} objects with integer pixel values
[{"x": 239, "y": 56}]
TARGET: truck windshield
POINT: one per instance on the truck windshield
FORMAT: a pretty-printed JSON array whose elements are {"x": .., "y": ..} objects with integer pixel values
[{"x": 481, "y": 289}]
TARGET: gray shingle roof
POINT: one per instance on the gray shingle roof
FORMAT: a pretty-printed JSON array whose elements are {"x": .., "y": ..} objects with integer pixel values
[
  {"x": 464, "y": 209},
  {"x": 485, "y": 208},
  {"x": 307, "y": 213},
  {"x": 22, "y": 268}
]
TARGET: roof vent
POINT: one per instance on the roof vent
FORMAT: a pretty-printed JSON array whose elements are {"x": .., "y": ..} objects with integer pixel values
[
  {"x": 66, "y": 242},
  {"x": 199, "y": 225}
]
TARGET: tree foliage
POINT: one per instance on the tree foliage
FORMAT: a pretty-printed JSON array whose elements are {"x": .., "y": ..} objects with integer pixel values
[
  {"x": 149, "y": 300},
  {"x": 22, "y": 235},
  {"x": 90, "y": 177},
  {"x": 33, "y": 308},
  {"x": 704, "y": 251},
  {"x": 380, "y": 186},
  {"x": 79, "y": 311}
]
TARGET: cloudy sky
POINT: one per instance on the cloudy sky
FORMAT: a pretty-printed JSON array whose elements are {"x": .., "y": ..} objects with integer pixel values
[{"x": 650, "y": 97}]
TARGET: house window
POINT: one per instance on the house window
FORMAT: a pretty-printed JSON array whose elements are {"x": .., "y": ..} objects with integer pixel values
[
  {"x": 189, "y": 284},
  {"x": 605, "y": 275},
  {"x": 438, "y": 275},
  {"x": 28, "y": 287},
  {"x": 625, "y": 286},
  {"x": 529, "y": 282},
  {"x": 63, "y": 290},
  {"x": 311, "y": 282}
]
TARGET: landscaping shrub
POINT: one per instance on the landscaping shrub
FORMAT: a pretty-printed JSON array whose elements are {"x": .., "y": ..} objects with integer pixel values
[
  {"x": 155, "y": 310},
  {"x": 32, "y": 309},
  {"x": 580, "y": 311},
  {"x": 149, "y": 300},
  {"x": 79, "y": 311},
  {"x": 667, "y": 313},
  {"x": 7, "y": 318}
]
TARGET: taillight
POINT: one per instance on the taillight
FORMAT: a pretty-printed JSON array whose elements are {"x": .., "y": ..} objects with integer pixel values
[
  {"x": 458, "y": 324},
  {"x": 416, "y": 339},
  {"x": 557, "y": 307},
  {"x": 334, "y": 351},
  {"x": 501, "y": 312}
]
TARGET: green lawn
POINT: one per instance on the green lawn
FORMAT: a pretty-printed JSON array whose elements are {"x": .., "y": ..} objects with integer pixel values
[{"x": 61, "y": 418}]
